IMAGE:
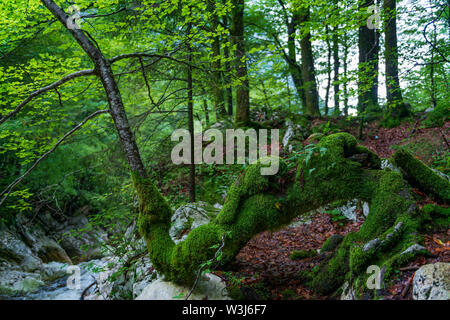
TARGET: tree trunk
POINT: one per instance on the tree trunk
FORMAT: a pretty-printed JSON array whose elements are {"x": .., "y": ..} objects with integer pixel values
[
  {"x": 205, "y": 109},
  {"x": 294, "y": 68},
  {"x": 308, "y": 70},
  {"x": 345, "y": 91},
  {"x": 229, "y": 90},
  {"x": 395, "y": 105},
  {"x": 191, "y": 119},
  {"x": 218, "y": 86},
  {"x": 336, "y": 71},
  {"x": 242, "y": 117},
  {"x": 104, "y": 72},
  {"x": 368, "y": 64},
  {"x": 327, "y": 91}
]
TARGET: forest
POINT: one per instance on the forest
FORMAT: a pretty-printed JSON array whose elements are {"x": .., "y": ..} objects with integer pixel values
[{"x": 224, "y": 150}]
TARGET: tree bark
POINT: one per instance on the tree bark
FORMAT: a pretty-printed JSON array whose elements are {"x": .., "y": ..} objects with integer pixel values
[
  {"x": 294, "y": 68},
  {"x": 219, "y": 92},
  {"x": 308, "y": 70},
  {"x": 395, "y": 104},
  {"x": 104, "y": 72},
  {"x": 190, "y": 107},
  {"x": 336, "y": 63},
  {"x": 345, "y": 91},
  {"x": 229, "y": 90},
  {"x": 242, "y": 117},
  {"x": 327, "y": 90},
  {"x": 368, "y": 46}
]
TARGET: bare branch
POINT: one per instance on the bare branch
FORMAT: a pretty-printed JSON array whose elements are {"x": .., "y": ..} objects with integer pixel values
[
  {"x": 49, "y": 87},
  {"x": 151, "y": 55},
  {"x": 45, "y": 155}
]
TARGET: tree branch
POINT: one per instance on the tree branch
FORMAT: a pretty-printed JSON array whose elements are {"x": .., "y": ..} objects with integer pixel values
[
  {"x": 45, "y": 155},
  {"x": 49, "y": 87}
]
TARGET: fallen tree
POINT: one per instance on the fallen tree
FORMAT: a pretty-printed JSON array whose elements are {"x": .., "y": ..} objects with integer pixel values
[{"x": 338, "y": 169}]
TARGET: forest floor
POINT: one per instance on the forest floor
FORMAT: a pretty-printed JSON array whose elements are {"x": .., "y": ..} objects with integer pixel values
[{"x": 265, "y": 260}]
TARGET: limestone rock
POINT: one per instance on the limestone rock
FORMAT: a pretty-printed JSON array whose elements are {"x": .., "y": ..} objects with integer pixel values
[
  {"x": 209, "y": 287},
  {"x": 190, "y": 216},
  {"x": 432, "y": 282}
]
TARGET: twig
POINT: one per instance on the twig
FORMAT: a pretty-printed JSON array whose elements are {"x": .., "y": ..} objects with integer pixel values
[
  {"x": 45, "y": 89},
  {"x": 199, "y": 272},
  {"x": 86, "y": 290},
  {"x": 9, "y": 188}
]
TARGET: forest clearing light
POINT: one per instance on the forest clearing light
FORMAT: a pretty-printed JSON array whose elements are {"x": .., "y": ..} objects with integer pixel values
[{"x": 214, "y": 152}]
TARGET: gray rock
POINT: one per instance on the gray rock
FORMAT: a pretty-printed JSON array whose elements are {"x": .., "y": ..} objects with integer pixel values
[
  {"x": 432, "y": 282},
  {"x": 348, "y": 293},
  {"x": 190, "y": 216},
  {"x": 14, "y": 282},
  {"x": 366, "y": 209},
  {"x": 414, "y": 248},
  {"x": 372, "y": 244},
  {"x": 53, "y": 270},
  {"x": 386, "y": 164},
  {"x": 209, "y": 287},
  {"x": 15, "y": 251},
  {"x": 349, "y": 209}
]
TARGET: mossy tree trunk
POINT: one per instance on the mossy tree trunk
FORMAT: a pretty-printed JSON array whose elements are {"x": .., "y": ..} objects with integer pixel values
[
  {"x": 368, "y": 47},
  {"x": 338, "y": 169},
  {"x": 336, "y": 64},
  {"x": 218, "y": 85},
  {"x": 396, "y": 107},
  {"x": 242, "y": 116},
  {"x": 308, "y": 69}
]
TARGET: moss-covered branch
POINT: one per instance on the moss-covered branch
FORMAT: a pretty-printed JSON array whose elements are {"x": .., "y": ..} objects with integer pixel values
[{"x": 337, "y": 169}]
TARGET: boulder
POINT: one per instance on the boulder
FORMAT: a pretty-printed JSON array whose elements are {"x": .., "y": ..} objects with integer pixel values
[
  {"x": 53, "y": 270},
  {"x": 190, "y": 216},
  {"x": 14, "y": 250},
  {"x": 209, "y": 287},
  {"x": 432, "y": 282},
  {"x": 15, "y": 282}
]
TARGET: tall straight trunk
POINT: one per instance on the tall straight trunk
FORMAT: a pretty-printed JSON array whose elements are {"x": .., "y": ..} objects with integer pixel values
[
  {"x": 432, "y": 81},
  {"x": 294, "y": 68},
  {"x": 218, "y": 87},
  {"x": 396, "y": 107},
  {"x": 116, "y": 107},
  {"x": 368, "y": 46},
  {"x": 308, "y": 70},
  {"x": 242, "y": 117},
  {"x": 288, "y": 88},
  {"x": 190, "y": 118},
  {"x": 229, "y": 90},
  {"x": 327, "y": 90},
  {"x": 345, "y": 66},
  {"x": 205, "y": 109},
  {"x": 336, "y": 63}
]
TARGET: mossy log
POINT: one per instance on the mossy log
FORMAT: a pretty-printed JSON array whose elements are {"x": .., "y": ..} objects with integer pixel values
[{"x": 338, "y": 170}]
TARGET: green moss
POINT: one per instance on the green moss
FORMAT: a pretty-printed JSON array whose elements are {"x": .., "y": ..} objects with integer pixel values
[
  {"x": 390, "y": 229},
  {"x": 331, "y": 243},
  {"x": 255, "y": 203},
  {"x": 417, "y": 173},
  {"x": 302, "y": 254},
  {"x": 438, "y": 215}
]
